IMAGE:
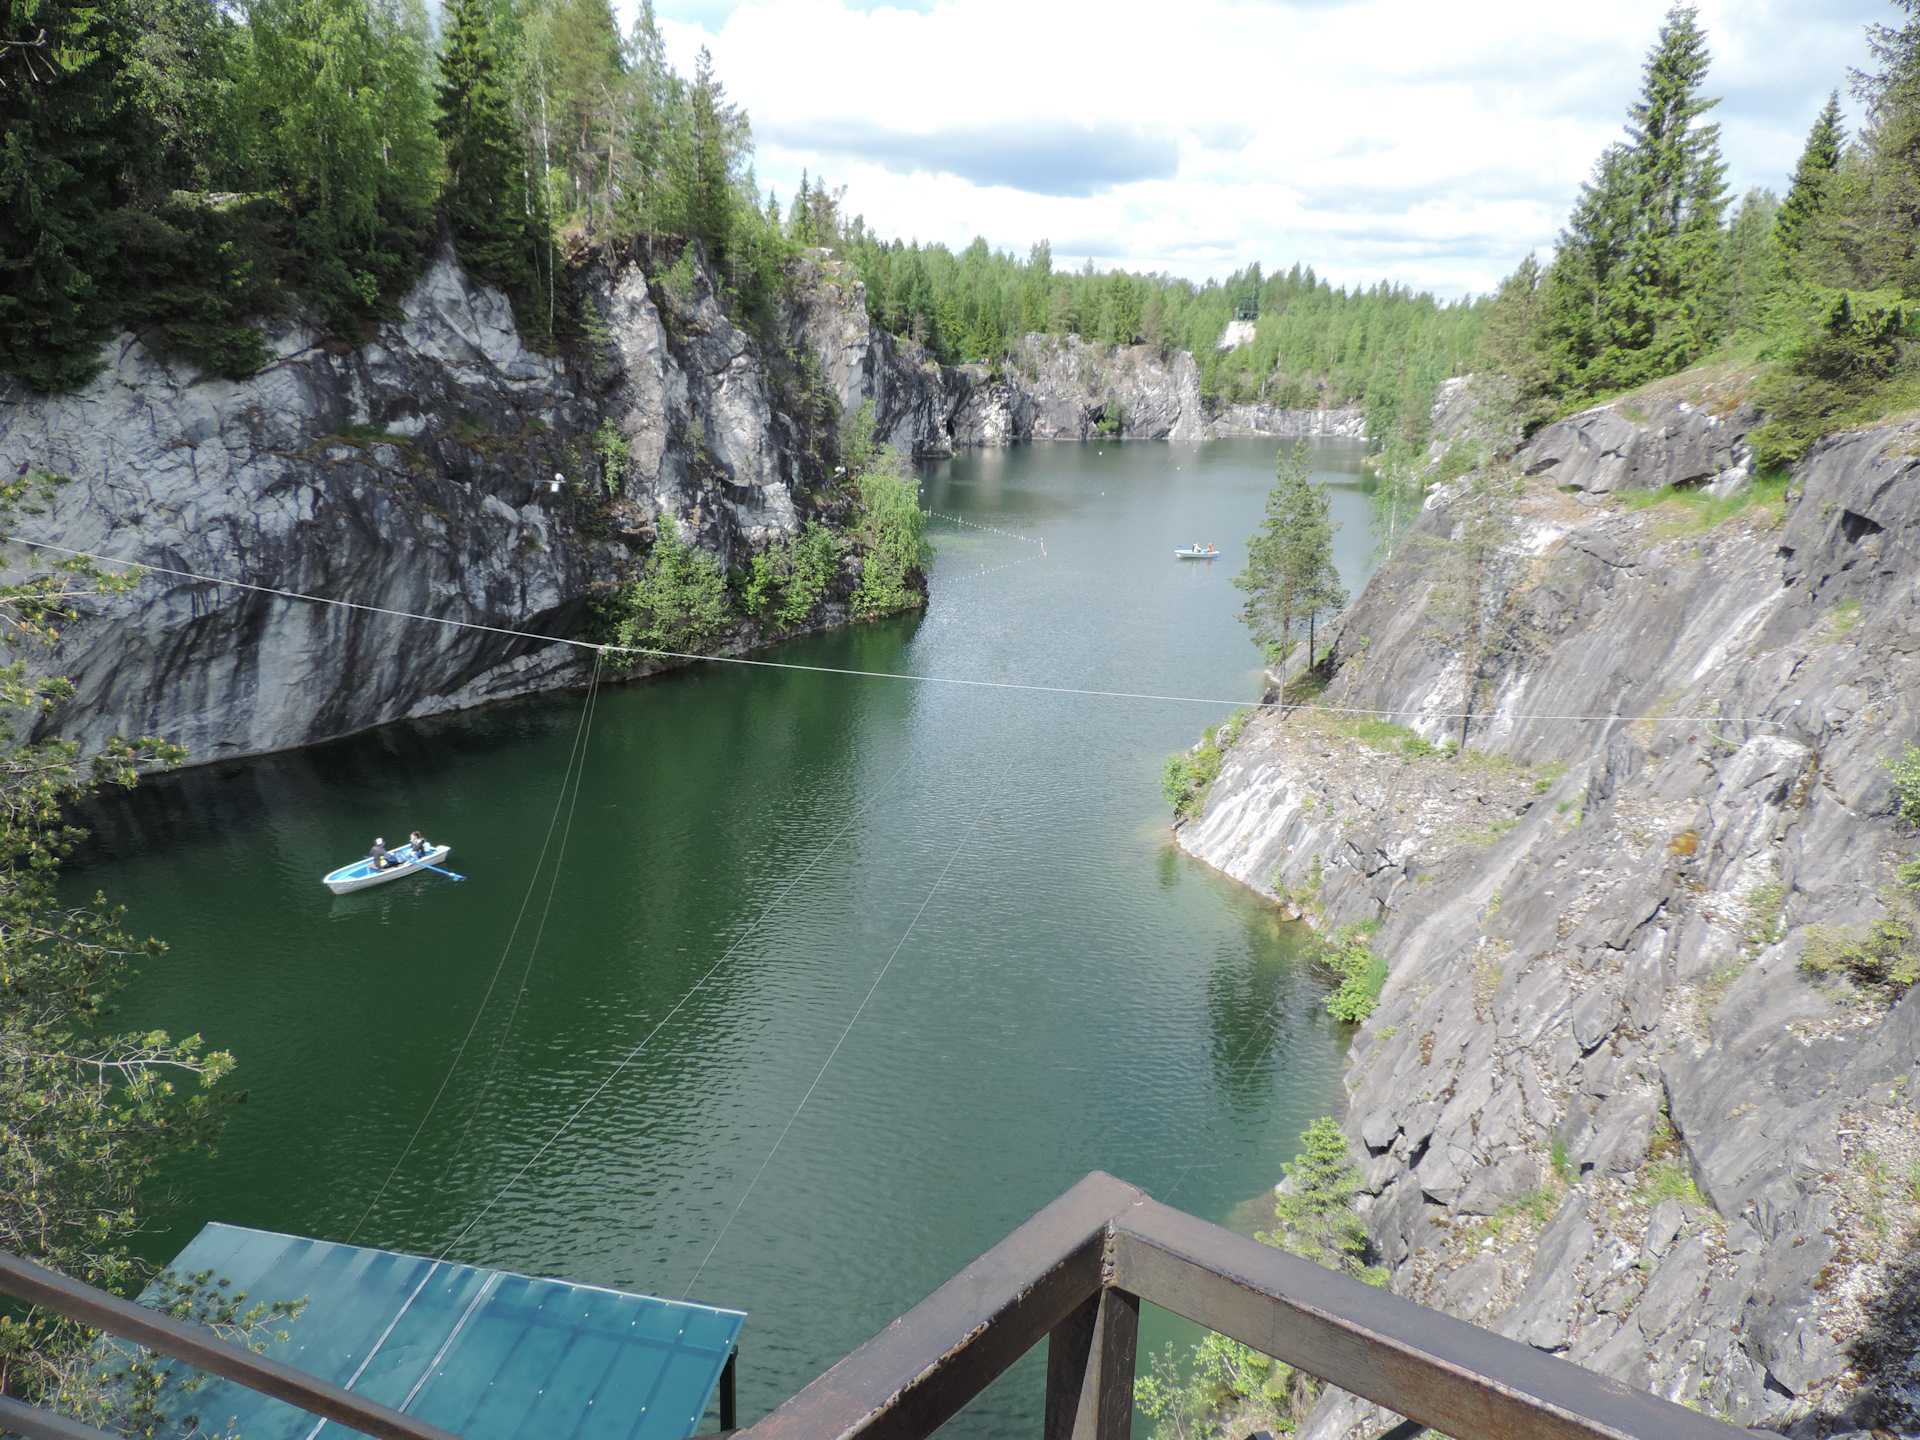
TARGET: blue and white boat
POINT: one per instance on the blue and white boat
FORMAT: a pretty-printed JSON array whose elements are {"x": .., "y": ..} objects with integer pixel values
[
  {"x": 363, "y": 873},
  {"x": 1197, "y": 552}
]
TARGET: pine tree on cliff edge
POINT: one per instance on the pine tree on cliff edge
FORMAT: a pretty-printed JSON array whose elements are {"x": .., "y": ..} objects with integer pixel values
[{"x": 492, "y": 202}]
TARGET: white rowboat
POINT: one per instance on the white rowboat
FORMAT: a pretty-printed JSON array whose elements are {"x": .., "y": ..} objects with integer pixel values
[
  {"x": 362, "y": 873},
  {"x": 1196, "y": 553}
]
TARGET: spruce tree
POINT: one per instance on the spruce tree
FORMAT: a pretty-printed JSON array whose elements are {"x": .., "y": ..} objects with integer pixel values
[
  {"x": 493, "y": 205},
  {"x": 1633, "y": 288},
  {"x": 1315, "y": 1204},
  {"x": 60, "y": 153},
  {"x": 1818, "y": 160},
  {"x": 1891, "y": 254},
  {"x": 706, "y": 173}
]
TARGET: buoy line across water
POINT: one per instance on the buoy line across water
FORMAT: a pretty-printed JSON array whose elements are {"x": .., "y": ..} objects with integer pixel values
[{"x": 606, "y": 649}]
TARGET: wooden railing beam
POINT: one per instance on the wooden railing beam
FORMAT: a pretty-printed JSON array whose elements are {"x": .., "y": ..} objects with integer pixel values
[
  {"x": 1090, "y": 1364},
  {"x": 1448, "y": 1374},
  {"x": 921, "y": 1370}
]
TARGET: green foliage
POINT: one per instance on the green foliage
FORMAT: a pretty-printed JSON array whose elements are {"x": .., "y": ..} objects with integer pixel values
[
  {"x": 891, "y": 533},
  {"x": 1885, "y": 957},
  {"x": 1221, "y": 1387},
  {"x": 1561, "y": 1161},
  {"x": 494, "y": 204},
  {"x": 1228, "y": 1388},
  {"x": 788, "y": 580},
  {"x": 611, "y": 446},
  {"x": 1480, "y": 557},
  {"x": 346, "y": 142},
  {"x": 1689, "y": 507},
  {"x": 1290, "y": 579},
  {"x": 1807, "y": 192},
  {"x": 1906, "y": 784},
  {"x": 58, "y": 154},
  {"x": 1363, "y": 974},
  {"x": 1187, "y": 776},
  {"x": 1668, "y": 1180},
  {"x": 1636, "y": 289},
  {"x": 679, "y": 603},
  {"x": 1313, "y": 344},
  {"x": 1764, "y": 908},
  {"x": 1314, "y": 1206},
  {"x": 135, "y": 1392},
  {"x": 1846, "y": 360},
  {"x": 87, "y": 1114},
  {"x": 1816, "y": 292}
]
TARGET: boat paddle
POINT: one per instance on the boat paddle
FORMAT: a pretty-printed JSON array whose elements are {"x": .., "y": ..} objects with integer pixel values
[{"x": 438, "y": 871}]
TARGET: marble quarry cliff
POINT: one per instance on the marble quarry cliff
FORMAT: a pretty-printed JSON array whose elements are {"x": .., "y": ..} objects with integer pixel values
[
  {"x": 1617, "y": 1099},
  {"x": 414, "y": 474}
]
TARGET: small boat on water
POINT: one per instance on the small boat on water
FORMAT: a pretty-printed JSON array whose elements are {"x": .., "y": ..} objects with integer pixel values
[
  {"x": 1196, "y": 552},
  {"x": 363, "y": 873}
]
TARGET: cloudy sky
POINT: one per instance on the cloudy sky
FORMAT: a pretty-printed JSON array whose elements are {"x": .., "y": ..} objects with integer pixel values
[{"x": 1427, "y": 143}]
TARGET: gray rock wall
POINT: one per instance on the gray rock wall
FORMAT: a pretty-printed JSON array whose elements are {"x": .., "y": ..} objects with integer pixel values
[
  {"x": 1601, "y": 1107},
  {"x": 412, "y": 475},
  {"x": 1349, "y": 423},
  {"x": 1669, "y": 441}
]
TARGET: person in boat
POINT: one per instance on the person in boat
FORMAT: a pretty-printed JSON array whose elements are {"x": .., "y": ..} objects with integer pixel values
[
  {"x": 418, "y": 844},
  {"x": 378, "y": 854}
]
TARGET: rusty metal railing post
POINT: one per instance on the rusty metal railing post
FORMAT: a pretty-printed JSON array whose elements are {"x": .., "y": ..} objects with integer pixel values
[{"x": 1090, "y": 1360}]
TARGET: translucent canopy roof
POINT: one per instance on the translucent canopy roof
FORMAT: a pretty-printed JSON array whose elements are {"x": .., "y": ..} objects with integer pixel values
[{"x": 487, "y": 1354}]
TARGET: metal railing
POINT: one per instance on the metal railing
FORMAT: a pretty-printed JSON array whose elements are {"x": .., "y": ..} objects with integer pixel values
[{"x": 1074, "y": 1275}]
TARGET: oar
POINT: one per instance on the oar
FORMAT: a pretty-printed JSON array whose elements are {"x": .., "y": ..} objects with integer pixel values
[{"x": 438, "y": 871}]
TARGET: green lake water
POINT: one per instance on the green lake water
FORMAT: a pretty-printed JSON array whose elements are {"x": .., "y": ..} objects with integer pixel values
[{"x": 1059, "y": 988}]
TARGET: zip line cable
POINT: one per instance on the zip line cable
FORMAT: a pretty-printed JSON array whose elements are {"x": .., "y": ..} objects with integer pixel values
[
  {"x": 513, "y": 1014},
  {"x": 859, "y": 811},
  {"x": 859, "y": 1010},
  {"x": 872, "y": 674},
  {"x": 579, "y": 734}
]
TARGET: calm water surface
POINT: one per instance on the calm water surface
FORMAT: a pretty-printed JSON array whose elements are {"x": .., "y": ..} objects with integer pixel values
[{"x": 1058, "y": 989}]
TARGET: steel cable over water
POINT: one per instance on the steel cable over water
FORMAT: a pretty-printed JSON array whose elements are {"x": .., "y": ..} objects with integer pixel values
[
  {"x": 575, "y": 756},
  {"x": 859, "y": 811},
  {"x": 603, "y": 649},
  {"x": 526, "y": 972},
  {"x": 859, "y": 1010}
]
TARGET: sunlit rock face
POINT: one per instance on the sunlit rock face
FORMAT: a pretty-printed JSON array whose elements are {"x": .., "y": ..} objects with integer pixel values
[{"x": 1602, "y": 1106}]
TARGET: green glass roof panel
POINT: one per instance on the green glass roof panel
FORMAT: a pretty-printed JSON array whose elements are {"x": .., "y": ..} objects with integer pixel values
[{"x": 487, "y": 1354}]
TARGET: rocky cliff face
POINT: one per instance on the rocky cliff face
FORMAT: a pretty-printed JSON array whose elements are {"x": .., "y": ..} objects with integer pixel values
[
  {"x": 1604, "y": 1106},
  {"x": 414, "y": 475},
  {"x": 1271, "y": 421},
  {"x": 1056, "y": 388}
]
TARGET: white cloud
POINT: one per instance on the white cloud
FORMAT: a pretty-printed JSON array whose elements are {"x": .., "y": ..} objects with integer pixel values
[{"x": 1380, "y": 139}]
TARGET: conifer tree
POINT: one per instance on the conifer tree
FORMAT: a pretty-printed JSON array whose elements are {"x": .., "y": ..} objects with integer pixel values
[
  {"x": 1892, "y": 254},
  {"x": 1820, "y": 157},
  {"x": 1633, "y": 287},
  {"x": 496, "y": 210},
  {"x": 706, "y": 175},
  {"x": 1290, "y": 579},
  {"x": 1315, "y": 1204},
  {"x": 59, "y": 157}
]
